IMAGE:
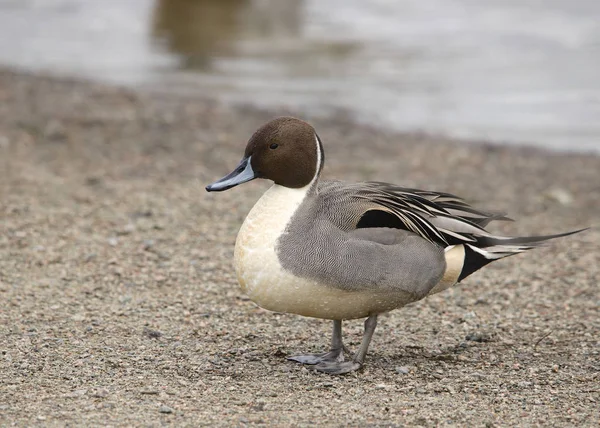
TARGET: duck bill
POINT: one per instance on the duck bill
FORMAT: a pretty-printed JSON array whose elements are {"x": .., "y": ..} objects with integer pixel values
[{"x": 241, "y": 174}]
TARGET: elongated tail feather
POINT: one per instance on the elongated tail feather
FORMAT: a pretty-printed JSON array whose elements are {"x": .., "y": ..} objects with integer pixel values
[{"x": 490, "y": 248}]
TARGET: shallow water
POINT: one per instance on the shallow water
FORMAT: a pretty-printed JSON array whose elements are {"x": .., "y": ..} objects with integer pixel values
[{"x": 504, "y": 70}]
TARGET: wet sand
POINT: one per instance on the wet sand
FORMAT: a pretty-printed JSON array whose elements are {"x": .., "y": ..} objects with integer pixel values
[{"x": 120, "y": 305}]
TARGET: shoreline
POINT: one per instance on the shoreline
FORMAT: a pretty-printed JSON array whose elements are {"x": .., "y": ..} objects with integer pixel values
[
  {"x": 122, "y": 307},
  {"x": 339, "y": 115}
]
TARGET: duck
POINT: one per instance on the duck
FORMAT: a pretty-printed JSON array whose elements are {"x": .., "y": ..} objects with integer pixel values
[{"x": 340, "y": 251}]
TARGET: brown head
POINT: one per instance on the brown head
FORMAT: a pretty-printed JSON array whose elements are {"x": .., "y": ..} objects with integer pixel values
[{"x": 285, "y": 150}]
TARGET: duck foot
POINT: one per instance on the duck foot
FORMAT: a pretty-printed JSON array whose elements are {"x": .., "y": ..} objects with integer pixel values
[
  {"x": 333, "y": 356},
  {"x": 338, "y": 368},
  {"x": 332, "y": 362}
]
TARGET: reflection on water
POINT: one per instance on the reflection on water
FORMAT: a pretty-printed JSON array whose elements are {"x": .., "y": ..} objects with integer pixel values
[
  {"x": 507, "y": 70},
  {"x": 209, "y": 34},
  {"x": 198, "y": 29}
]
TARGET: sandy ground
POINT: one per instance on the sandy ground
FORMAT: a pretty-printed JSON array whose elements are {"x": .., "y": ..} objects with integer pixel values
[{"x": 120, "y": 306}]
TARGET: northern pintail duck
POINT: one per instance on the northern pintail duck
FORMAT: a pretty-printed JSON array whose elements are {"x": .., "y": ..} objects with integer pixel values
[{"x": 339, "y": 251}]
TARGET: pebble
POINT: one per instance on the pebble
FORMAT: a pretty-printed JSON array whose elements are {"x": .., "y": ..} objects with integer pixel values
[
  {"x": 78, "y": 317},
  {"x": 478, "y": 337},
  {"x": 77, "y": 393},
  {"x": 402, "y": 370},
  {"x": 153, "y": 334},
  {"x": 129, "y": 228},
  {"x": 165, "y": 409},
  {"x": 478, "y": 375},
  {"x": 100, "y": 393},
  {"x": 559, "y": 195}
]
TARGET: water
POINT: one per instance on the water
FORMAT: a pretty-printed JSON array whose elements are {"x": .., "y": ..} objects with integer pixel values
[{"x": 511, "y": 71}]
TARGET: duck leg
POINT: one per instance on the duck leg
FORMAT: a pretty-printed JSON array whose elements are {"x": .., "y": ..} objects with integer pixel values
[
  {"x": 341, "y": 367},
  {"x": 335, "y": 355}
]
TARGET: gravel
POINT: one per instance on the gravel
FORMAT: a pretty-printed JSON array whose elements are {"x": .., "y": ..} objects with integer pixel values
[{"x": 120, "y": 306}]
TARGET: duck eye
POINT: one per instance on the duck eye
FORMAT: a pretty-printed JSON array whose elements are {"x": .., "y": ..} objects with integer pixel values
[{"x": 274, "y": 146}]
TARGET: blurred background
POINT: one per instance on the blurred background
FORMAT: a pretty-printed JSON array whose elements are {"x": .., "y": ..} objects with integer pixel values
[{"x": 509, "y": 71}]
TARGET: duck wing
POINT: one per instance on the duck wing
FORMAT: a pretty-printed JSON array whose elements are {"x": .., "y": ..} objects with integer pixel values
[{"x": 441, "y": 218}]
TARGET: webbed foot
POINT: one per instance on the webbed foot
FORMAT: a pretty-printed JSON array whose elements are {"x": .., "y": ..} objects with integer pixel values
[
  {"x": 332, "y": 362},
  {"x": 334, "y": 356},
  {"x": 338, "y": 368}
]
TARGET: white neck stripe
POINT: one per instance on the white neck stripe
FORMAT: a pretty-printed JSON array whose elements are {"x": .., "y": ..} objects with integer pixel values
[{"x": 318, "y": 166}]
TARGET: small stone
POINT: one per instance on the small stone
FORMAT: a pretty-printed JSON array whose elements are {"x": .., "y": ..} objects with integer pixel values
[
  {"x": 559, "y": 195},
  {"x": 478, "y": 375},
  {"x": 165, "y": 409},
  {"x": 153, "y": 334},
  {"x": 129, "y": 228},
  {"x": 55, "y": 131},
  {"x": 259, "y": 406},
  {"x": 402, "y": 370},
  {"x": 555, "y": 368},
  {"x": 77, "y": 393},
  {"x": 478, "y": 337},
  {"x": 100, "y": 393},
  {"x": 112, "y": 241},
  {"x": 93, "y": 181},
  {"x": 142, "y": 213},
  {"x": 78, "y": 317}
]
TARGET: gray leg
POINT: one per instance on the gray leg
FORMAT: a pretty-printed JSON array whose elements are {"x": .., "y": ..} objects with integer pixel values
[
  {"x": 336, "y": 354},
  {"x": 338, "y": 367}
]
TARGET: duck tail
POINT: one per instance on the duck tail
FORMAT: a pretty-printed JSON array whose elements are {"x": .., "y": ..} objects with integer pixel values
[{"x": 486, "y": 249}]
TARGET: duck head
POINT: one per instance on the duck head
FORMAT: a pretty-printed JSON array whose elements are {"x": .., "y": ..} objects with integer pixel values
[{"x": 285, "y": 150}]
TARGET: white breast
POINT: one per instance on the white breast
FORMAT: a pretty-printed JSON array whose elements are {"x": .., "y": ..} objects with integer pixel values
[
  {"x": 262, "y": 278},
  {"x": 257, "y": 266}
]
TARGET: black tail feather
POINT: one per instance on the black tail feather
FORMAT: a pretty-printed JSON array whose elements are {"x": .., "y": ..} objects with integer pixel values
[{"x": 490, "y": 248}]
